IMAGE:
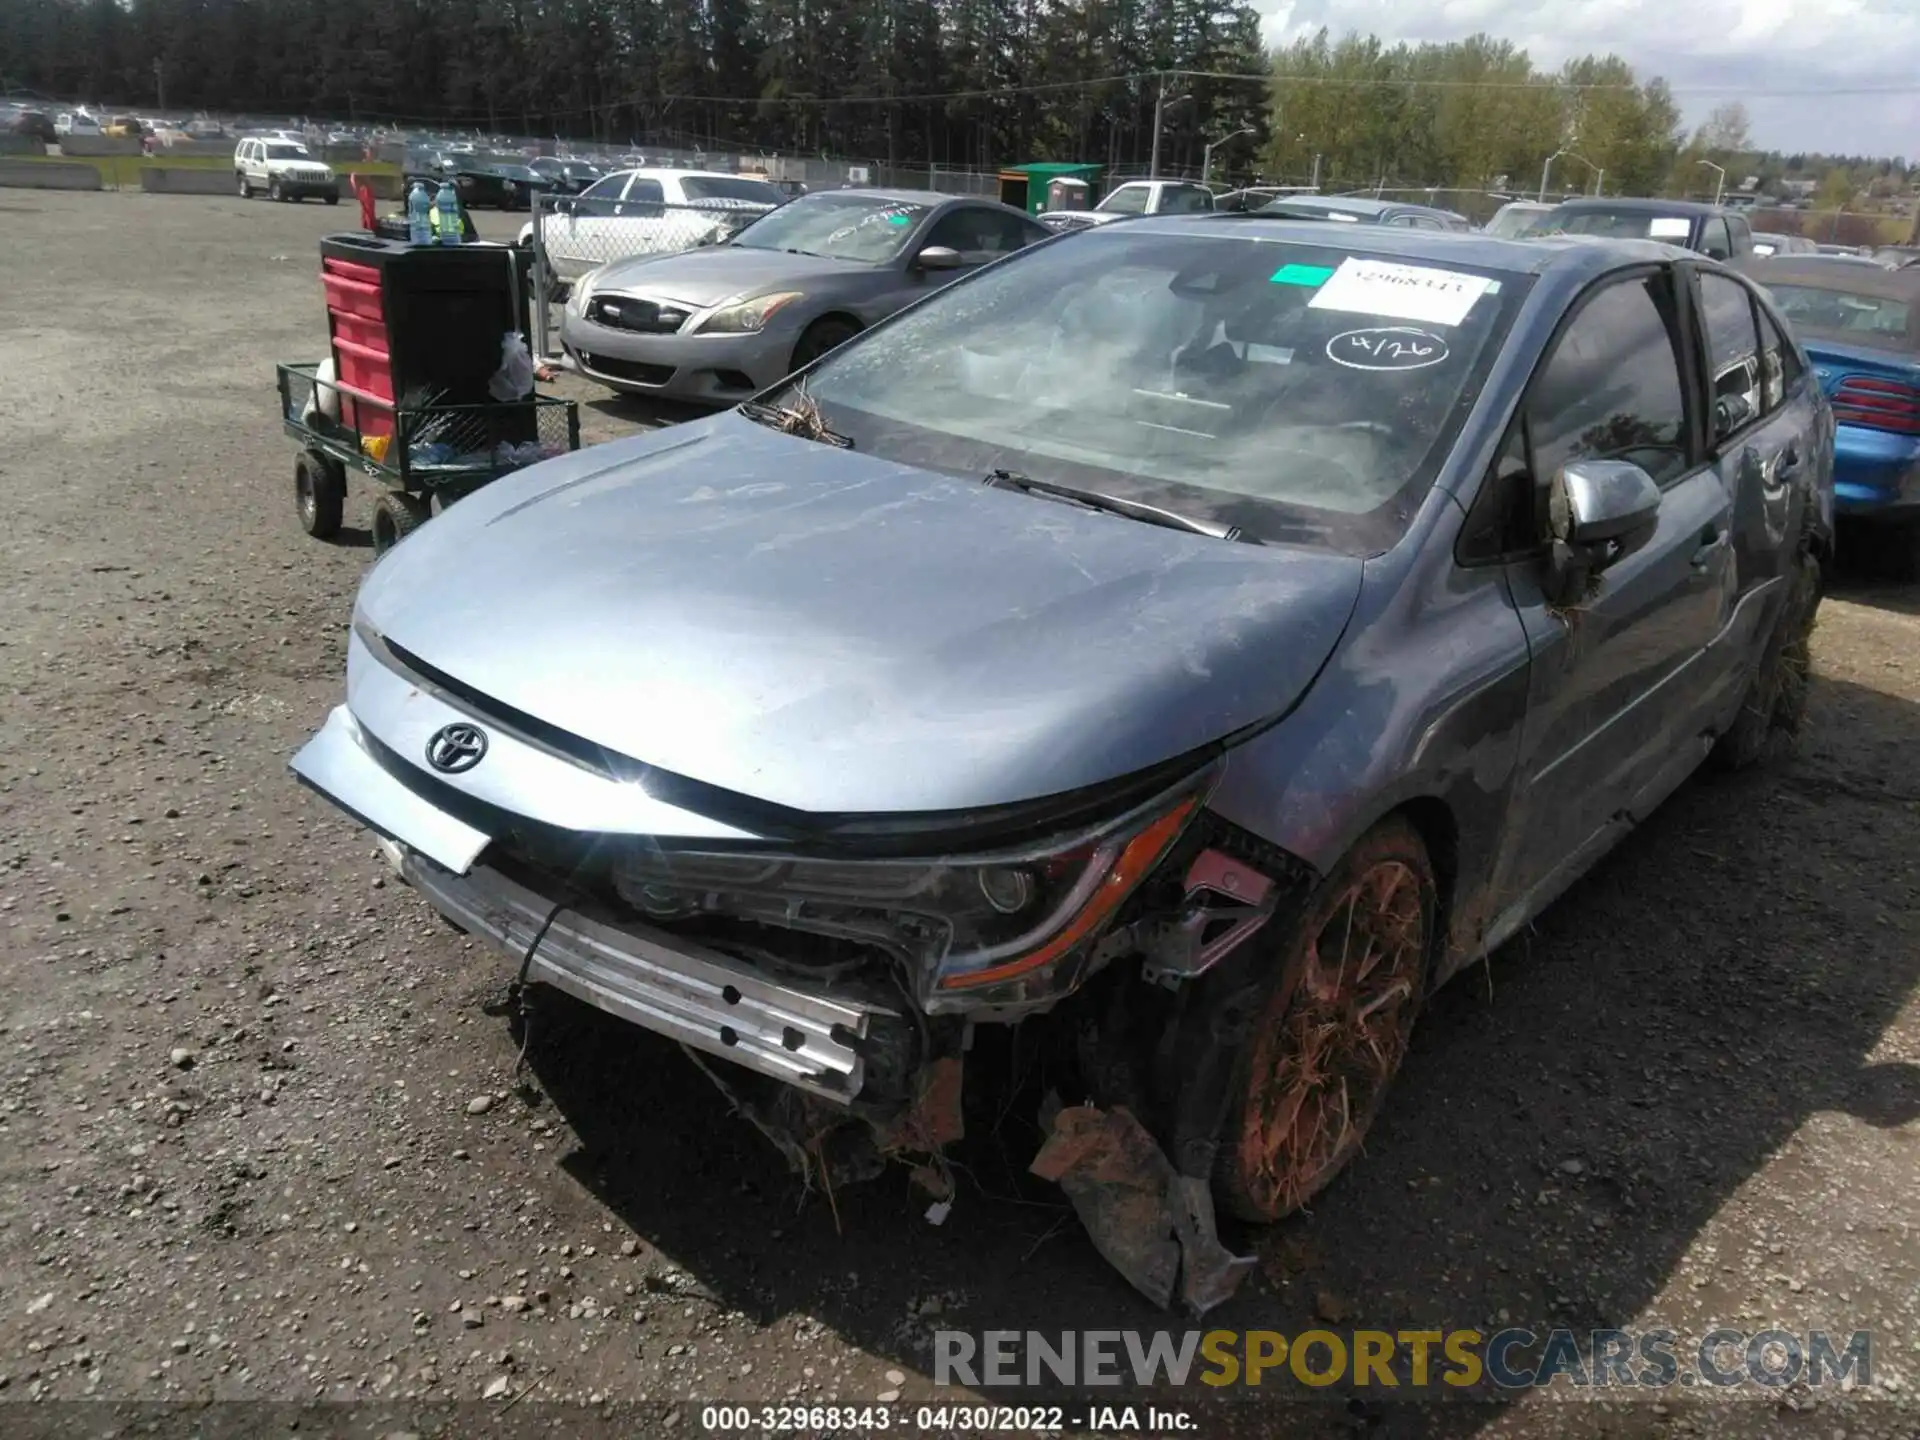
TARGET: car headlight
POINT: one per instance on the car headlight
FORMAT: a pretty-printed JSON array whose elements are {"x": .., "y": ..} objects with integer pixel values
[
  {"x": 743, "y": 317},
  {"x": 975, "y": 931},
  {"x": 581, "y": 292}
]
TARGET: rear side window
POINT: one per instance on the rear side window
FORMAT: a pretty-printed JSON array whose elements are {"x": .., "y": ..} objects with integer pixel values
[
  {"x": 1612, "y": 389},
  {"x": 1779, "y": 364},
  {"x": 1733, "y": 346}
]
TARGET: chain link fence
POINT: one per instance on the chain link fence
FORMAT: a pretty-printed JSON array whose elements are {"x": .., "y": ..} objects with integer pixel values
[{"x": 572, "y": 235}]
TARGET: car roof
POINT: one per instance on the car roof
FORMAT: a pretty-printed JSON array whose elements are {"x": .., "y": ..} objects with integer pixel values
[
  {"x": 903, "y": 196},
  {"x": 666, "y": 172},
  {"x": 1569, "y": 254},
  {"x": 1634, "y": 204},
  {"x": 1355, "y": 204},
  {"x": 1821, "y": 273}
]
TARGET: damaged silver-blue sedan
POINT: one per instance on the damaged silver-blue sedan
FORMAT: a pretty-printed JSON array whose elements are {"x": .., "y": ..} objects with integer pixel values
[{"x": 1190, "y": 641}]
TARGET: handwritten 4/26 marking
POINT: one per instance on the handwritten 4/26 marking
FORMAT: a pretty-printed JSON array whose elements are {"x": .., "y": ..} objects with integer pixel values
[{"x": 1395, "y": 347}]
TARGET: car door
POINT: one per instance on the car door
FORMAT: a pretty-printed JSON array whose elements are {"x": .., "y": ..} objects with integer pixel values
[
  {"x": 1615, "y": 694},
  {"x": 1761, "y": 439}
]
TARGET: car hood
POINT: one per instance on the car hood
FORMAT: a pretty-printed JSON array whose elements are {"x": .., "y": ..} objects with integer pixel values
[
  {"x": 706, "y": 277},
  {"x": 841, "y": 634}
]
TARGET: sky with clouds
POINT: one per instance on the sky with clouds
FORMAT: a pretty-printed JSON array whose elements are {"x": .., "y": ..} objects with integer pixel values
[{"x": 1710, "y": 51}]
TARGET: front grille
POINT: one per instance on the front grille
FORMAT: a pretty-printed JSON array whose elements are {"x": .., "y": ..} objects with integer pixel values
[
  {"x": 634, "y": 370},
  {"x": 644, "y": 317}
]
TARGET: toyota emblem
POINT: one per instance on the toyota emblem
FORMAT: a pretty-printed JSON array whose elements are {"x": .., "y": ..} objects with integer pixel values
[{"x": 456, "y": 748}]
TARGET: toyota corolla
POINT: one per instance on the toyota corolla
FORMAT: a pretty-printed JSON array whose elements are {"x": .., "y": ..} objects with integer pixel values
[{"x": 1190, "y": 641}]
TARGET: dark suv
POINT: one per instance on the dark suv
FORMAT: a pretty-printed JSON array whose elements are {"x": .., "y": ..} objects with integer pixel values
[{"x": 1691, "y": 224}]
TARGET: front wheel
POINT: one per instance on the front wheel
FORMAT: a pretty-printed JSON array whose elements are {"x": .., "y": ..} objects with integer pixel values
[
  {"x": 276, "y": 191},
  {"x": 1348, "y": 981},
  {"x": 333, "y": 199},
  {"x": 819, "y": 338}
]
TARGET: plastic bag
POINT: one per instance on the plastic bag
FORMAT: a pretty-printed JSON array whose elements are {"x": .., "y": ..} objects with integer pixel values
[{"x": 514, "y": 379}]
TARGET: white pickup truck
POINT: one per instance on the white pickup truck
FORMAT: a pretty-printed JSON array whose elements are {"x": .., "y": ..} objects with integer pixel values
[{"x": 1135, "y": 197}]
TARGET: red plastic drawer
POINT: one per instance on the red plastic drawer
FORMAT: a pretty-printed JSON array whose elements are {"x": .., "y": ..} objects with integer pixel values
[
  {"x": 347, "y": 296},
  {"x": 363, "y": 369},
  {"x": 367, "y": 334}
]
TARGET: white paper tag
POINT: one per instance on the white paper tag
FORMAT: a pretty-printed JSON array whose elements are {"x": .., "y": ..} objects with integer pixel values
[
  {"x": 1399, "y": 292},
  {"x": 1669, "y": 227}
]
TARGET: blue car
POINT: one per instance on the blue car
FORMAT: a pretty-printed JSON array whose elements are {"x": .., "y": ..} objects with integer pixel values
[
  {"x": 1860, "y": 325},
  {"x": 1189, "y": 641}
]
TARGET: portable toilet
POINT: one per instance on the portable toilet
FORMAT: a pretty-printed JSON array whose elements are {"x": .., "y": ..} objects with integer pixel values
[
  {"x": 1064, "y": 192},
  {"x": 1025, "y": 186}
]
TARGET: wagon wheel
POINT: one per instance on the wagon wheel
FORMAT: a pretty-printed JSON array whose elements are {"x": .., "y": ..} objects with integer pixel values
[
  {"x": 319, "y": 493},
  {"x": 396, "y": 516},
  {"x": 1333, "y": 1028}
]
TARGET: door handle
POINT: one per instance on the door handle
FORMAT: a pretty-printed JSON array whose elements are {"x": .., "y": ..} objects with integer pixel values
[{"x": 1713, "y": 539}]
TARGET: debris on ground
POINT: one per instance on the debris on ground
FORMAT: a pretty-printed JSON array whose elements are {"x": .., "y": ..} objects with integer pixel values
[{"x": 1152, "y": 1224}]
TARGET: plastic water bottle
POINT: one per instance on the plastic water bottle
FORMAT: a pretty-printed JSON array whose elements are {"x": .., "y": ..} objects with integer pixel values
[
  {"x": 419, "y": 214},
  {"x": 452, "y": 228}
]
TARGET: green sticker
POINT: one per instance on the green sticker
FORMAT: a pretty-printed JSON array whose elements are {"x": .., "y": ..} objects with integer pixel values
[
  {"x": 1312, "y": 276},
  {"x": 899, "y": 219}
]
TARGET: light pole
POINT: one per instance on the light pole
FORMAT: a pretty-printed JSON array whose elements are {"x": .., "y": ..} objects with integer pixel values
[
  {"x": 1720, "y": 184},
  {"x": 1159, "y": 114},
  {"x": 1546, "y": 171},
  {"x": 1206, "y": 154}
]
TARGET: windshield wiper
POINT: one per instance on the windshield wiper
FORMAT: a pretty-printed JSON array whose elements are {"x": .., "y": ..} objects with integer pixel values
[
  {"x": 1118, "y": 505},
  {"x": 801, "y": 417}
]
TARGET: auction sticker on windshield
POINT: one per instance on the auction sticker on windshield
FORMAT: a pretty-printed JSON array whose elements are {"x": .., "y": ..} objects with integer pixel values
[
  {"x": 1397, "y": 347},
  {"x": 1400, "y": 292}
]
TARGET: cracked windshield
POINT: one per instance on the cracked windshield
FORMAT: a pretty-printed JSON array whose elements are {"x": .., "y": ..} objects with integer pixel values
[{"x": 1300, "y": 391}]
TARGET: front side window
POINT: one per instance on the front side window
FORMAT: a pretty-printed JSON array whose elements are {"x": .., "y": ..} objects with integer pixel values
[
  {"x": 980, "y": 234},
  {"x": 608, "y": 188},
  {"x": 1733, "y": 346},
  {"x": 1714, "y": 240},
  {"x": 1127, "y": 200},
  {"x": 837, "y": 226},
  {"x": 1611, "y": 390},
  {"x": 709, "y": 188},
  {"x": 1306, "y": 393}
]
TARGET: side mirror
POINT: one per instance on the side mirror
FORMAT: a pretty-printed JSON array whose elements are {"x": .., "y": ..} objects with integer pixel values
[
  {"x": 939, "y": 257},
  {"x": 1597, "y": 512},
  {"x": 1730, "y": 413}
]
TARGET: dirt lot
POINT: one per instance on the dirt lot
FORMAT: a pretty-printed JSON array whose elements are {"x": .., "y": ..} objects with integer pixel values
[{"x": 261, "y": 1139}]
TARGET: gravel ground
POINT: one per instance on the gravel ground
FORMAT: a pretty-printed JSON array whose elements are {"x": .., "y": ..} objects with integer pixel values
[{"x": 261, "y": 1135}]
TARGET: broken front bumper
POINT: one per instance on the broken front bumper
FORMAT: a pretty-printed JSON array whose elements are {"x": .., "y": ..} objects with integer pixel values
[
  {"x": 791, "y": 1032},
  {"x": 662, "y": 983}
]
